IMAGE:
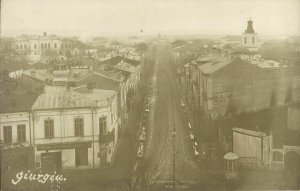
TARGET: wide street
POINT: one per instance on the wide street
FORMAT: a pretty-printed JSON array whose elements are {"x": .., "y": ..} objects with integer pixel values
[{"x": 166, "y": 117}]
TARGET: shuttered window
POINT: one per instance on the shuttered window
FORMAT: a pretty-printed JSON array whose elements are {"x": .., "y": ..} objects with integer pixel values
[
  {"x": 49, "y": 128},
  {"x": 78, "y": 123},
  {"x": 21, "y": 133},
  {"x": 7, "y": 134}
]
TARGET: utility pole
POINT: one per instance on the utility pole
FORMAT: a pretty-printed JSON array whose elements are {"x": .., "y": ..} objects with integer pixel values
[{"x": 174, "y": 162}]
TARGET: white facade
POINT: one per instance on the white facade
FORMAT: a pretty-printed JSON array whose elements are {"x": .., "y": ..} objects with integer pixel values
[
  {"x": 96, "y": 142},
  {"x": 249, "y": 40},
  {"x": 10, "y": 124}
]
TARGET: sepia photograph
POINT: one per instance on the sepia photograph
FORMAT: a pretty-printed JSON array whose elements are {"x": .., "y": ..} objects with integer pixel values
[{"x": 149, "y": 95}]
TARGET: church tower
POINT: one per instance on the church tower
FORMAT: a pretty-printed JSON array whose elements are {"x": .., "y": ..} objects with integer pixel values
[{"x": 249, "y": 39}]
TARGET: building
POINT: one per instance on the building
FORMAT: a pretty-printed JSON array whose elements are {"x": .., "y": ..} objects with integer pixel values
[
  {"x": 74, "y": 128},
  {"x": 44, "y": 47},
  {"x": 249, "y": 37},
  {"x": 108, "y": 80},
  {"x": 15, "y": 116}
]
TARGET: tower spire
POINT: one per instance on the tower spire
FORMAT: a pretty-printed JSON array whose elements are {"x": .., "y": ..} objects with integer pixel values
[{"x": 249, "y": 27}]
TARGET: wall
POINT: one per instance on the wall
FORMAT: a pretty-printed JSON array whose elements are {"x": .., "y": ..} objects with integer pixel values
[
  {"x": 247, "y": 146},
  {"x": 14, "y": 119},
  {"x": 293, "y": 119}
]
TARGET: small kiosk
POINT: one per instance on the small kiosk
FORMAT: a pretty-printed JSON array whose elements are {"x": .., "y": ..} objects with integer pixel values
[{"x": 231, "y": 163}]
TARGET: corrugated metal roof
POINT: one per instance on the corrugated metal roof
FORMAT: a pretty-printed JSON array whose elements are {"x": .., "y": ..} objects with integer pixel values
[{"x": 59, "y": 97}]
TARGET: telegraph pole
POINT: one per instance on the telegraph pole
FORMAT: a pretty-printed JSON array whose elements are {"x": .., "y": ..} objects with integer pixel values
[{"x": 174, "y": 162}]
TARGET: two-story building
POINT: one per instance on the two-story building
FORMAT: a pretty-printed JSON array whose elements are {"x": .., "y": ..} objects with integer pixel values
[{"x": 74, "y": 128}]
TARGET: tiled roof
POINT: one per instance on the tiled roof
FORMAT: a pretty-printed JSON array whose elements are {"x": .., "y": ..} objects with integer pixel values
[{"x": 56, "y": 97}]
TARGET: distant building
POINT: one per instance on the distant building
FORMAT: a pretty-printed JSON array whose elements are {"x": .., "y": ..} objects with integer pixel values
[
  {"x": 249, "y": 38},
  {"x": 75, "y": 128},
  {"x": 44, "y": 47}
]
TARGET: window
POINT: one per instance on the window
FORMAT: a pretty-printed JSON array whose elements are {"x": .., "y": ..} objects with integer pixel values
[
  {"x": 48, "y": 45},
  {"x": 49, "y": 128},
  {"x": 102, "y": 125},
  {"x": 42, "y": 45},
  {"x": 253, "y": 40},
  {"x": 81, "y": 156},
  {"x": 245, "y": 40},
  {"x": 21, "y": 46},
  {"x": 277, "y": 157},
  {"x": 54, "y": 45},
  {"x": 24, "y": 46},
  {"x": 17, "y": 46},
  {"x": 7, "y": 134},
  {"x": 21, "y": 133},
  {"x": 34, "y": 46},
  {"x": 78, "y": 123}
]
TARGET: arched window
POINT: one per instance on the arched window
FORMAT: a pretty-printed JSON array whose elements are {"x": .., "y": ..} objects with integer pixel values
[
  {"x": 277, "y": 156},
  {"x": 245, "y": 40},
  {"x": 253, "y": 40}
]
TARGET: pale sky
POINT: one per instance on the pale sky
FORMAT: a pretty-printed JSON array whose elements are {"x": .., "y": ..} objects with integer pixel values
[{"x": 128, "y": 17}]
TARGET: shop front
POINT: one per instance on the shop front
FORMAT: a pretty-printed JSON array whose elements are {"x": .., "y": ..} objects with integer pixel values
[{"x": 59, "y": 156}]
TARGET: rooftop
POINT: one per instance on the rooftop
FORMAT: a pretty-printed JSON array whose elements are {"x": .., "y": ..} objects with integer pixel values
[
  {"x": 268, "y": 64},
  {"x": 56, "y": 97},
  {"x": 213, "y": 65}
]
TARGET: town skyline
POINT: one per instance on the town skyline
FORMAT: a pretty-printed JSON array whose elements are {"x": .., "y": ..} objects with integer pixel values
[{"x": 104, "y": 18}]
